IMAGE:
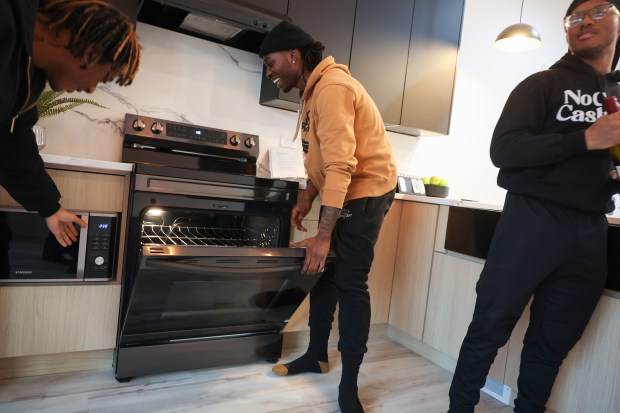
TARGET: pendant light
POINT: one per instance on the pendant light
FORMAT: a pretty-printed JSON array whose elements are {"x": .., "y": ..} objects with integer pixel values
[{"x": 519, "y": 37}]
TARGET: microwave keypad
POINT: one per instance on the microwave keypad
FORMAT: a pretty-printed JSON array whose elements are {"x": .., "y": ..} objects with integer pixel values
[{"x": 100, "y": 247}]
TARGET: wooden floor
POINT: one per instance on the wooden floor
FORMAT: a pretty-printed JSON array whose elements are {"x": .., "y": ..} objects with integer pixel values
[{"x": 392, "y": 379}]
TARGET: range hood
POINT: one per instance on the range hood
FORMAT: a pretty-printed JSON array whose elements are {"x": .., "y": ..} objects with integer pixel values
[{"x": 235, "y": 23}]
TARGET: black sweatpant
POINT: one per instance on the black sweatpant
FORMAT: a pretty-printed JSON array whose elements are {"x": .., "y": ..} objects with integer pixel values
[
  {"x": 559, "y": 256},
  {"x": 353, "y": 241}
]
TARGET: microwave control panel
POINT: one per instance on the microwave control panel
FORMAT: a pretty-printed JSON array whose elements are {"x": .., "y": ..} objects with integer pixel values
[{"x": 100, "y": 246}]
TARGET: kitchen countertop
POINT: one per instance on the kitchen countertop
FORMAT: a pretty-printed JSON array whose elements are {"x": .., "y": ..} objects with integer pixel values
[
  {"x": 468, "y": 204},
  {"x": 448, "y": 201},
  {"x": 86, "y": 163}
]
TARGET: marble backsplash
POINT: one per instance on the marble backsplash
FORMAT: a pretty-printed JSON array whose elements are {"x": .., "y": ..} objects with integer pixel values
[{"x": 181, "y": 78}]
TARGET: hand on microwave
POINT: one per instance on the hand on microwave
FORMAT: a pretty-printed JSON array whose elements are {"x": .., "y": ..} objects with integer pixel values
[{"x": 61, "y": 225}]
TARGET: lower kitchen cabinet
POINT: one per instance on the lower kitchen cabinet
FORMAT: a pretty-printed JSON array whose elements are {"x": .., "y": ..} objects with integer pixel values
[
  {"x": 382, "y": 270},
  {"x": 57, "y": 319},
  {"x": 52, "y": 327},
  {"x": 589, "y": 377},
  {"x": 412, "y": 268},
  {"x": 451, "y": 300}
]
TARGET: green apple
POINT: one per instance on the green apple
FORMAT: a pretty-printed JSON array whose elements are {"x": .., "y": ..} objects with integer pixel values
[
  {"x": 434, "y": 180},
  {"x": 443, "y": 182},
  {"x": 425, "y": 181}
]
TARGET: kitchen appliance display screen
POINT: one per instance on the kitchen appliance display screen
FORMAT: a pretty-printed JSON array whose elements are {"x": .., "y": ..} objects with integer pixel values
[{"x": 198, "y": 134}]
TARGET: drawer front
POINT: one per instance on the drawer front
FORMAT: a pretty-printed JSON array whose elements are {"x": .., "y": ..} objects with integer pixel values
[{"x": 85, "y": 191}]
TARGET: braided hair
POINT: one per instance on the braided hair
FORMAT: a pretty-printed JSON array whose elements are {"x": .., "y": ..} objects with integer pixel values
[
  {"x": 312, "y": 54},
  {"x": 99, "y": 33}
]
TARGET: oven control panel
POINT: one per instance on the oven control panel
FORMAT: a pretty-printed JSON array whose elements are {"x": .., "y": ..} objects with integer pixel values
[{"x": 143, "y": 132}]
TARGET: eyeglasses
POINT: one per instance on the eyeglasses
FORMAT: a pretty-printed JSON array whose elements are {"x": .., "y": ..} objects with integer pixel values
[{"x": 595, "y": 13}]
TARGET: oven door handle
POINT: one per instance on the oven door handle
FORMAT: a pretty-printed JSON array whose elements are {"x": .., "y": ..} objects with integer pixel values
[{"x": 223, "y": 272}]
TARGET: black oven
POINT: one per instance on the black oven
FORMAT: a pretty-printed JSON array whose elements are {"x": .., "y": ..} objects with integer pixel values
[
  {"x": 29, "y": 252},
  {"x": 209, "y": 278}
]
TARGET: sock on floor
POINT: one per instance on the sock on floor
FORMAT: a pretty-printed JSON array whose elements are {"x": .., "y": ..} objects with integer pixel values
[
  {"x": 348, "y": 400},
  {"x": 304, "y": 364}
]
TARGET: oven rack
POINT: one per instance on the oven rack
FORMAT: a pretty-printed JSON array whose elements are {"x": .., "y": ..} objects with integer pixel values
[{"x": 156, "y": 234}]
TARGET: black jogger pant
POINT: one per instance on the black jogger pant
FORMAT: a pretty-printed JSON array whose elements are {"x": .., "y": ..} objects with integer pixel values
[
  {"x": 559, "y": 256},
  {"x": 353, "y": 241}
]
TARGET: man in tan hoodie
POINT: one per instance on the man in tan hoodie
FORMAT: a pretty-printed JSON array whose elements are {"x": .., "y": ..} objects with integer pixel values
[{"x": 351, "y": 167}]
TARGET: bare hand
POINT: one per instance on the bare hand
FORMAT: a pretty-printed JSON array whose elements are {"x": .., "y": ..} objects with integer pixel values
[
  {"x": 61, "y": 225},
  {"x": 298, "y": 213},
  {"x": 604, "y": 133},
  {"x": 316, "y": 253}
]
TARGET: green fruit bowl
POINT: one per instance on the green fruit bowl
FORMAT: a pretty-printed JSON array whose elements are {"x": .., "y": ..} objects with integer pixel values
[{"x": 437, "y": 191}]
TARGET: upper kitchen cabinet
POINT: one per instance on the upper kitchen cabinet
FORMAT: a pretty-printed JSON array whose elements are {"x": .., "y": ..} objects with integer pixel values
[
  {"x": 129, "y": 7},
  {"x": 379, "y": 52},
  {"x": 404, "y": 52},
  {"x": 431, "y": 67},
  {"x": 327, "y": 21}
]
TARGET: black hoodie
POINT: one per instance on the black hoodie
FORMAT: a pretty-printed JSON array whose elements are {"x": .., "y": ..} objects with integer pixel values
[
  {"x": 539, "y": 140},
  {"x": 22, "y": 171}
]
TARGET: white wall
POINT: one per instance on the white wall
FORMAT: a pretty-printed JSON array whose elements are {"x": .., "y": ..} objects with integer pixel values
[
  {"x": 485, "y": 77},
  {"x": 181, "y": 78},
  {"x": 190, "y": 80}
]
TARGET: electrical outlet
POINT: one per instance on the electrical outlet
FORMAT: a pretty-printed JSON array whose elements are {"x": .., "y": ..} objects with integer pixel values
[{"x": 287, "y": 142}]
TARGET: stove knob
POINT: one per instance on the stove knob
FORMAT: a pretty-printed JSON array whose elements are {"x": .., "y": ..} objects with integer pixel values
[
  {"x": 99, "y": 260},
  {"x": 138, "y": 125},
  {"x": 157, "y": 128},
  {"x": 250, "y": 142},
  {"x": 235, "y": 140}
]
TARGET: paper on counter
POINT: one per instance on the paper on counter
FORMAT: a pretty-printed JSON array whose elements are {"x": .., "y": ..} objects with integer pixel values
[{"x": 286, "y": 163}]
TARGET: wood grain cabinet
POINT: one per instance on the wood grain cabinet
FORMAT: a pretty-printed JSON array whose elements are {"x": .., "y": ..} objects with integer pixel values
[
  {"x": 40, "y": 323},
  {"x": 412, "y": 267},
  {"x": 451, "y": 300},
  {"x": 589, "y": 378}
]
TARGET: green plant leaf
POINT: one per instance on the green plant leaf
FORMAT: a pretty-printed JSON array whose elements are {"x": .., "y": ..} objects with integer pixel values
[{"x": 50, "y": 103}]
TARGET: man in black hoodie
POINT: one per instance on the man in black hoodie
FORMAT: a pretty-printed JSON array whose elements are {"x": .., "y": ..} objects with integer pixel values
[
  {"x": 73, "y": 45},
  {"x": 551, "y": 145}
]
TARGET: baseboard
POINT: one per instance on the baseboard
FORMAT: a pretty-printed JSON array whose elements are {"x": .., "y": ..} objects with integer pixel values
[
  {"x": 294, "y": 339},
  {"x": 25, "y": 366},
  {"x": 443, "y": 361},
  {"x": 424, "y": 350}
]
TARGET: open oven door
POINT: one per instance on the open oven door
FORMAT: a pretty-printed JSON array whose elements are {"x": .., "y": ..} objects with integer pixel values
[{"x": 195, "y": 307}]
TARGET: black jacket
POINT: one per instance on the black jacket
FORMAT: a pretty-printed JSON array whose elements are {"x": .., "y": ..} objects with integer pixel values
[
  {"x": 539, "y": 140},
  {"x": 22, "y": 171}
]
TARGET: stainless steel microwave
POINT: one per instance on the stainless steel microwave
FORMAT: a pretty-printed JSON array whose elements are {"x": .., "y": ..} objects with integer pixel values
[{"x": 29, "y": 252}]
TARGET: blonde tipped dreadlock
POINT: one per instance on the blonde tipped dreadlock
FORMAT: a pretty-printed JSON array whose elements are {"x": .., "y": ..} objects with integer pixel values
[{"x": 99, "y": 33}]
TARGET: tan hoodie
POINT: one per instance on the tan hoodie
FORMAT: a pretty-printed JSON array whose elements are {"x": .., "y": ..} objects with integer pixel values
[{"x": 349, "y": 152}]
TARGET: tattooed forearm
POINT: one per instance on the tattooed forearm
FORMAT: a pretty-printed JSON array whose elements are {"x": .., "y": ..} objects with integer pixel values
[{"x": 329, "y": 215}]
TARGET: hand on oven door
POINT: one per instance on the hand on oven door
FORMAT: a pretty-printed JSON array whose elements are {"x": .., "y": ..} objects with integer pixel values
[{"x": 317, "y": 249}]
